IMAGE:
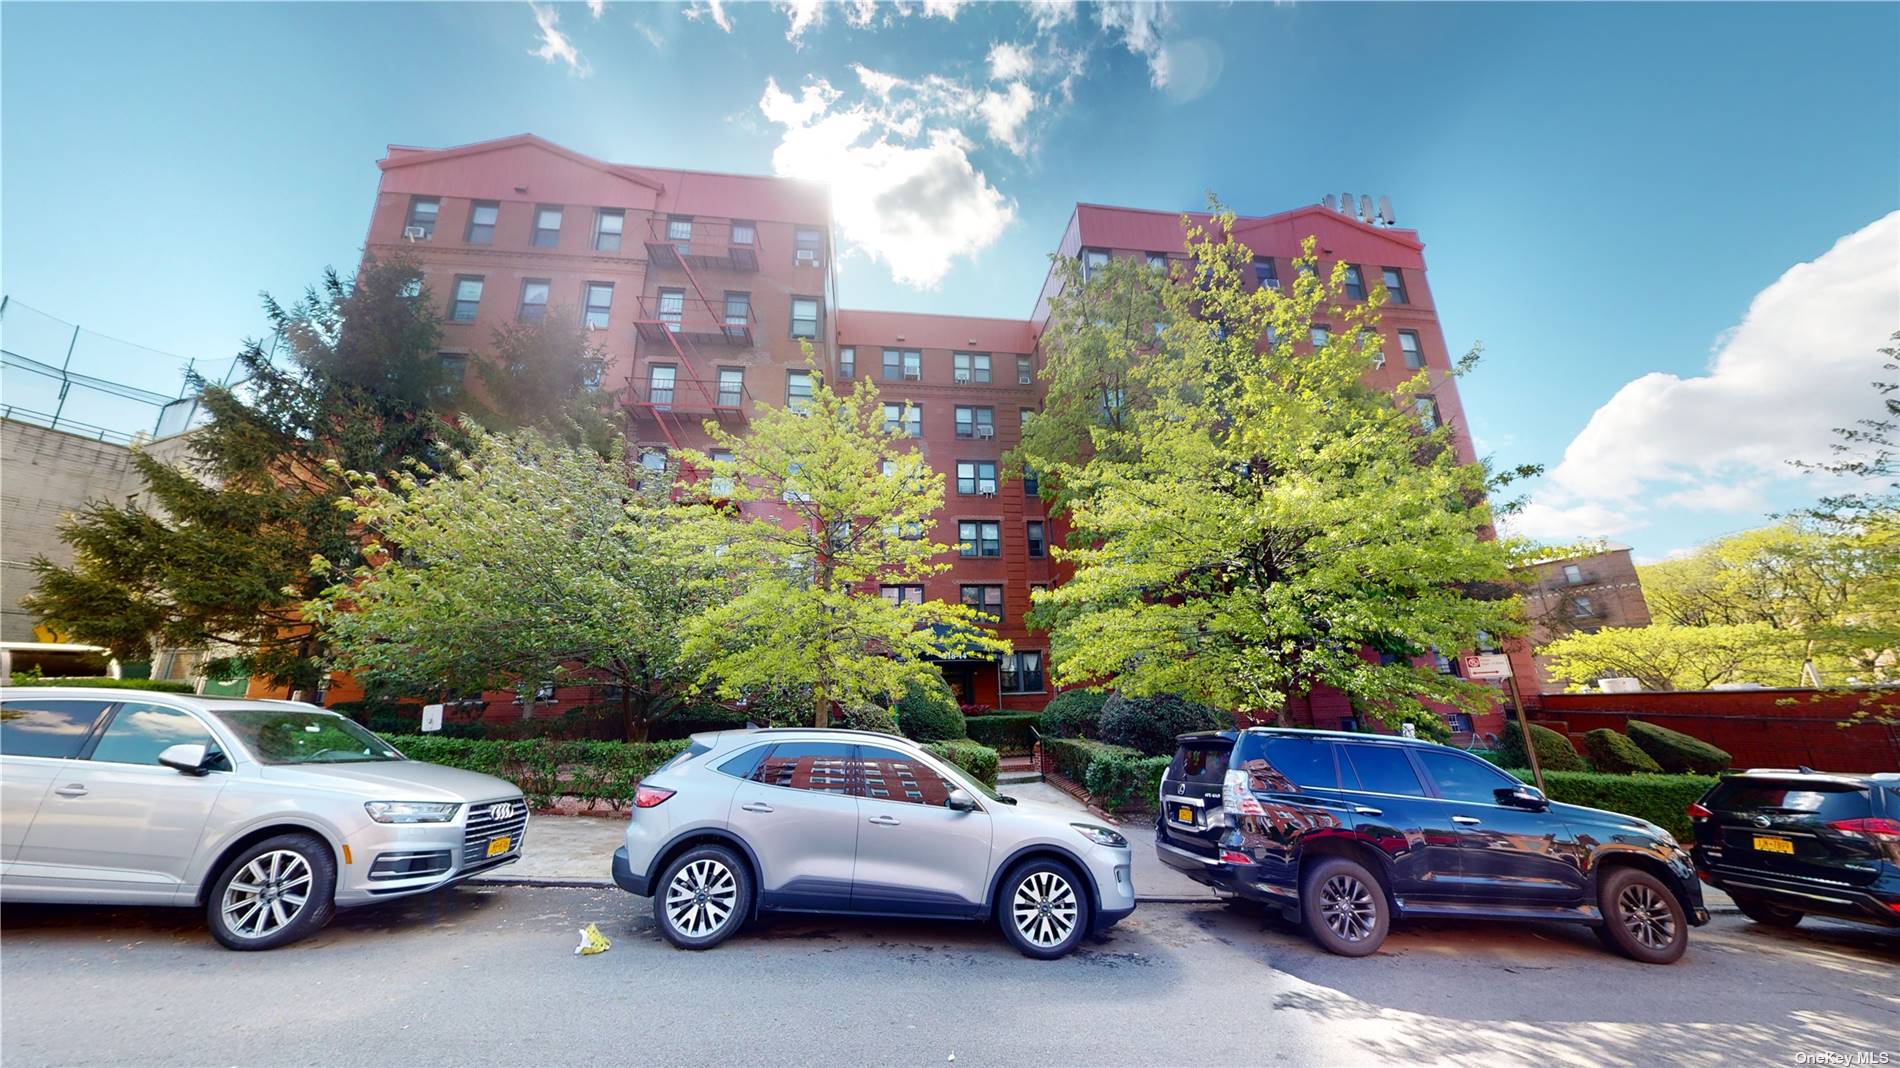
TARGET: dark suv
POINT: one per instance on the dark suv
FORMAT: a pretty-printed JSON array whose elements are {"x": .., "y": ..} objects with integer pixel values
[
  {"x": 1346, "y": 832},
  {"x": 1787, "y": 843}
]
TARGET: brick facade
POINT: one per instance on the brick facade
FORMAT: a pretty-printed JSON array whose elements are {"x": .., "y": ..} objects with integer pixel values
[{"x": 1582, "y": 593}]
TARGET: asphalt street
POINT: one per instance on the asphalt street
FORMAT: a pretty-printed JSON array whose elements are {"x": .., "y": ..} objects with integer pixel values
[{"x": 488, "y": 975}]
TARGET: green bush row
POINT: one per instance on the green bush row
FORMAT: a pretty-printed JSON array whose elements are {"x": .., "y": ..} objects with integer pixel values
[
  {"x": 1004, "y": 732},
  {"x": 1610, "y": 752},
  {"x": 1660, "y": 799},
  {"x": 592, "y": 772},
  {"x": 106, "y": 682},
  {"x": 974, "y": 757},
  {"x": 1676, "y": 751},
  {"x": 1073, "y": 714},
  {"x": 1116, "y": 776}
]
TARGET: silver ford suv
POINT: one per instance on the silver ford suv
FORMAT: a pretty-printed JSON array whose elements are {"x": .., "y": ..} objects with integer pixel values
[
  {"x": 267, "y": 814},
  {"x": 801, "y": 820}
]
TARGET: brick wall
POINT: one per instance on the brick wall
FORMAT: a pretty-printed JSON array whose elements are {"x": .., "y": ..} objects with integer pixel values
[{"x": 1760, "y": 728}]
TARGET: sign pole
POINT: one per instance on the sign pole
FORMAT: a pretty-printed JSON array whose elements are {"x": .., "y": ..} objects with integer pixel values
[{"x": 1530, "y": 747}]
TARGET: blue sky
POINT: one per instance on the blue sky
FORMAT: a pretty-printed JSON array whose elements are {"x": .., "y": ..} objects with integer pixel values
[{"x": 1673, "y": 227}]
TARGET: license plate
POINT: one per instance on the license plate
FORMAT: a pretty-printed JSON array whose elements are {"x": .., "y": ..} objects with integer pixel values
[
  {"x": 1184, "y": 814},
  {"x": 1774, "y": 845},
  {"x": 499, "y": 846}
]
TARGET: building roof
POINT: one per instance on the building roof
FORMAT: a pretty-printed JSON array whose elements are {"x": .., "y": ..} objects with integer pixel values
[{"x": 926, "y": 331}]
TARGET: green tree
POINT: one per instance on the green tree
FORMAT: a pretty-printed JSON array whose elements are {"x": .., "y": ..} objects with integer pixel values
[
  {"x": 841, "y": 503},
  {"x": 1667, "y": 656},
  {"x": 545, "y": 373},
  {"x": 521, "y": 561},
  {"x": 1265, "y": 518},
  {"x": 222, "y": 561}
]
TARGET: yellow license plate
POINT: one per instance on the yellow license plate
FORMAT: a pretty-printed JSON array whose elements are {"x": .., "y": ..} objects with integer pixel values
[
  {"x": 499, "y": 846},
  {"x": 1774, "y": 845},
  {"x": 1184, "y": 814}
]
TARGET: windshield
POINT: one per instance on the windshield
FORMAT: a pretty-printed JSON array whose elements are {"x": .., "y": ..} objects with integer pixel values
[{"x": 296, "y": 736}]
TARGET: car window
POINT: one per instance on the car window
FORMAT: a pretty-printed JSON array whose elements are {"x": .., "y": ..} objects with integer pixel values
[
  {"x": 1463, "y": 778},
  {"x": 1205, "y": 764},
  {"x": 139, "y": 732},
  {"x": 888, "y": 775},
  {"x": 1828, "y": 801},
  {"x": 291, "y": 735},
  {"x": 823, "y": 767},
  {"x": 1303, "y": 762},
  {"x": 1379, "y": 769},
  {"x": 39, "y": 727}
]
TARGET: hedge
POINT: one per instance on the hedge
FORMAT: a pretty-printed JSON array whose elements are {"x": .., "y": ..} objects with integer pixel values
[
  {"x": 1676, "y": 751},
  {"x": 1116, "y": 776},
  {"x": 592, "y": 772},
  {"x": 1073, "y": 714},
  {"x": 977, "y": 759},
  {"x": 1150, "y": 724},
  {"x": 1554, "y": 751},
  {"x": 1004, "y": 732},
  {"x": 1660, "y": 799},
  {"x": 928, "y": 712},
  {"x": 106, "y": 682},
  {"x": 1614, "y": 754}
]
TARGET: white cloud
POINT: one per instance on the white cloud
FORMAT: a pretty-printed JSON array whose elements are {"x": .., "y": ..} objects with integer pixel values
[
  {"x": 1009, "y": 61},
  {"x": 597, "y": 8},
  {"x": 906, "y": 195},
  {"x": 876, "y": 82},
  {"x": 1049, "y": 14},
  {"x": 555, "y": 47},
  {"x": 1546, "y": 522},
  {"x": 942, "y": 9},
  {"x": 712, "y": 9},
  {"x": 1004, "y": 113},
  {"x": 801, "y": 15},
  {"x": 860, "y": 12},
  {"x": 1139, "y": 24}
]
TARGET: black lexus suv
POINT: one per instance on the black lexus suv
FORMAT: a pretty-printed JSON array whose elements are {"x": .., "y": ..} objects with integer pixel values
[
  {"x": 1347, "y": 832},
  {"x": 1788, "y": 843}
]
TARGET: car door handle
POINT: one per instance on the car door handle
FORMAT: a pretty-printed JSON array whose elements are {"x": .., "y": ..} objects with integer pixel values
[
  {"x": 77, "y": 789},
  {"x": 885, "y": 821},
  {"x": 756, "y": 806},
  {"x": 1361, "y": 810},
  {"x": 1468, "y": 821}
]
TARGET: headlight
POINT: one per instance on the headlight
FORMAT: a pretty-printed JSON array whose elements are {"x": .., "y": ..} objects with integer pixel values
[
  {"x": 411, "y": 811},
  {"x": 1101, "y": 835}
]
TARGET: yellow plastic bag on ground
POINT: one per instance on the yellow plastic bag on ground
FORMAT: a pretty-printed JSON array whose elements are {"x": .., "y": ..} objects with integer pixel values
[{"x": 592, "y": 942}]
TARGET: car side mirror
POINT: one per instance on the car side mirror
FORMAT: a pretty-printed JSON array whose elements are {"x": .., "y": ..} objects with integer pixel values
[
  {"x": 1521, "y": 796},
  {"x": 189, "y": 758},
  {"x": 960, "y": 800}
]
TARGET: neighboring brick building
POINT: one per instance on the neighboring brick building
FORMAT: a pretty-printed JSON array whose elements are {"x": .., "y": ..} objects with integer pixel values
[{"x": 1583, "y": 593}]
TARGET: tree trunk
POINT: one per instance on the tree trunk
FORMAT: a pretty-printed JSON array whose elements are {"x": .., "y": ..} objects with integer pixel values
[
  {"x": 634, "y": 717},
  {"x": 821, "y": 706}
]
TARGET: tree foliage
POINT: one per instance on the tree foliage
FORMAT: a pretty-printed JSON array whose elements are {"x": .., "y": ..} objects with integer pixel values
[
  {"x": 544, "y": 374},
  {"x": 1666, "y": 656},
  {"x": 838, "y": 504},
  {"x": 1261, "y": 517}
]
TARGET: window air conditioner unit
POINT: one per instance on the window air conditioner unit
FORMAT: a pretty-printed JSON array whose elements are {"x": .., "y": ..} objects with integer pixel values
[
  {"x": 807, "y": 256},
  {"x": 985, "y": 431},
  {"x": 986, "y": 493},
  {"x": 414, "y": 233},
  {"x": 1024, "y": 380},
  {"x": 963, "y": 376},
  {"x": 914, "y": 376}
]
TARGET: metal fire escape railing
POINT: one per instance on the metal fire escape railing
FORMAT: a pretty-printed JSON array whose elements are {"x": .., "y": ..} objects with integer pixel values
[{"x": 676, "y": 244}]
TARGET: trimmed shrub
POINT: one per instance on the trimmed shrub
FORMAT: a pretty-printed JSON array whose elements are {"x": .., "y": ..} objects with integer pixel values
[
  {"x": 1150, "y": 724},
  {"x": 106, "y": 682},
  {"x": 979, "y": 760},
  {"x": 1614, "y": 754},
  {"x": 1003, "y": 732},
  {"x": 1073, "y": 714},
  {"x": 866, "y": 718},
  {"x": 928, "y": 712},
  {"x": 1675, "y": 751},
  {"x": 1554, "y": 752},
  {"x": 1116, "y": 776},
  {"x": 1660, "y": 799},
  {"x": 591, "y": 772}
]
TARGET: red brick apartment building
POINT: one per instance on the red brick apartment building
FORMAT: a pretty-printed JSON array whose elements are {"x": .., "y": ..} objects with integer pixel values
[
  {"x": 703, "y": 286},
  {"x": 1584, "y": 593}
]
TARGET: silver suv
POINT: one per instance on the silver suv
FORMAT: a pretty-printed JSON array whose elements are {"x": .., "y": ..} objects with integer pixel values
[
  {"x": 800, "y": 820},
  {"x": 268, "y": 814}
]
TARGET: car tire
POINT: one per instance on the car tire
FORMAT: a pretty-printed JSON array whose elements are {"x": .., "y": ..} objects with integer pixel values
[
  {"x": 273, "y": 893},
  {"x": 1043, "y": 908},
  {"x": 1768, "y": 915},
  {"x": 1641, "y": 917},
  {"x": 1344, "y": 907},
  {"x": 703, "y": 897}
]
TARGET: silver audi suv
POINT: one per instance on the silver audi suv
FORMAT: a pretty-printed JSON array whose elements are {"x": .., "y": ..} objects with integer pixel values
[
  {"x": 267, "y": 814},
  {"x": 801, "y": 820}
]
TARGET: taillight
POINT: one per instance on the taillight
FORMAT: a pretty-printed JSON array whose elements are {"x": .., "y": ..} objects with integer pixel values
[
  {"x": 1236, "y": 797},
  {"x": 645, "y": 796},
  {"x": 1234, "y": 856},
  {"x": 1697, "y": 812},
  {"x": 1873, "y": 827}
]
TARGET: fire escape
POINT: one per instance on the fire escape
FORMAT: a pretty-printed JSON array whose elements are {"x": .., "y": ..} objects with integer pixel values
[{"x": 688, "y": 323}]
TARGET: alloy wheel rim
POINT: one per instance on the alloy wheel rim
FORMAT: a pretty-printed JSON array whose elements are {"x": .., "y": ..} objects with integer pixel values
[
  {"x": 701, "y": 898},
  {"x": 1347, "y": 907},
  {"x": 268, "y": 894},
  {"x": 1044, "y": 908},
  {"x": 1646, "y": 917}
]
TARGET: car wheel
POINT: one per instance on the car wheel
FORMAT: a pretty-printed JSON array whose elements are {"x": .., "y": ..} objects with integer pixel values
[
  {"x": 274, "y": 893},
  {"x": 1641, "y": 917},
  {"x": 704, "y": 896},
  {"x": 1769, "y": 915},
  {"x": 1344, "y": 907},
  {"x": 1043, "y": 908}
]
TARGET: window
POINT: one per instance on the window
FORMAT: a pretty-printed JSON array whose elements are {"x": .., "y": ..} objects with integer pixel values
[
  {"x": 1355, "y": 282},
  {"x": 887, "y": 775},
  {"x": 1303, "y": 763},
  {"x": 1583, "y": 608},
  {"x": 906, "y": 417},
  {"x": 972, "y": 366},
  {"x": 1408, "y": 344},
  {"x": 731, "y": 386},
  {"x": 1320, "y": 336},
  {"x": 1379, "y": 769},
  {"x": 985, "y": 599},
  {"x": 672, "y": 308},
  {"x": 1093, "y": 260},
  {"x": 412, "y": 287},
  {"x": 1203, "y": 764},
  {"x": 547, "y": 226},
  {"x": 976, "y": 476},
  {"x": 738, "y": 313},
  {"x": 976, "y": 422},
  {"x": 1025, "y": 371},
  {"x": 744, "y": 232},
  {"x": 900, "y": 364},
  {"x": 1035, "y": 539},
  {"x": 660, "y": 379},
  {"x": 847, "y": 363},
  {"x": 468, "y": 299},
  {"x": 1032, "y": 483},
  {"x": 798, "y": 390},
  {"x": 979, "y": 538},
  {"x": 607, "y": 227},
  {"x": 721, "y": 484},
  {"x": 679, "y": 230},
  {"x": 481, "y": 222},
  {"x": 823, "y": 767},
  {"x": 804, "y": 317},
  {"x": 36, "y": 727},
  {"x": 454, "y": 369},
  {"x": 1158, "y": 261},
  {"x": 907, "y": 594},
  {"x": 808, "y": 247},
  {"x": 1264, "y": 273},
  {"x": 139, "y": 732},
  {"x": 1461, "y": 722},
  {"x": 1463, "y": 778},
  {"x": 652, "y": 463},
  {"x": 534, "y": 300},
  {"x": 420, "y": 224},
  {"x": 600, "y": 302},
  {"x": 791, "y": 492},
  {"x": 1573, "y": 574},
  {"x": 1036, "y": 588},
  {"x": 1022, "y": 673},
  {"x": 1395, "y": 284},
  {"x": 1427, "y": 409},
  {"x": 1023, "y": 414}
]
